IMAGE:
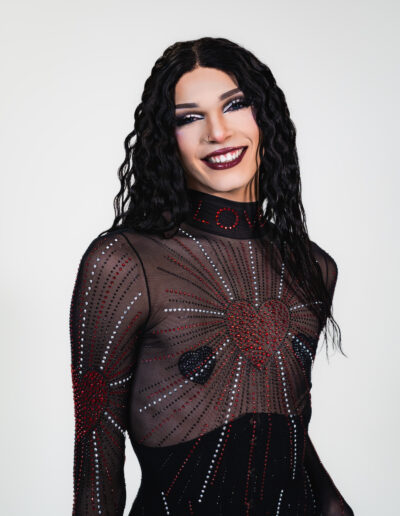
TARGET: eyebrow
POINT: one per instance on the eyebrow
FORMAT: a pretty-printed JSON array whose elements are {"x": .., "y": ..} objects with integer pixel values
[{"x": 221, "y": 97}]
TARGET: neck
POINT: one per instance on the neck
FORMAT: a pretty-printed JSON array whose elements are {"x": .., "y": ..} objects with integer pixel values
[{"x": 225, "y": 217}]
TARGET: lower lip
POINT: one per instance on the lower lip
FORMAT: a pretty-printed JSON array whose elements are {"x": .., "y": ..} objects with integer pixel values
[{"x": 227, "y": 164}]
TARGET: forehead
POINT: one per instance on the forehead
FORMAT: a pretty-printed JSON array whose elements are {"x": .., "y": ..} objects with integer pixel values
[{"x": 202, "y": 84}]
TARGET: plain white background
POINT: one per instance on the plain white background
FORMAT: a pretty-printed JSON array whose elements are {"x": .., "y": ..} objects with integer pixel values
[{"x": 72, "y": 74}]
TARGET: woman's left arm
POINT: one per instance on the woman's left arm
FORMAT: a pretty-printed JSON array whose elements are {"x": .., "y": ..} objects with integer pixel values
[{"x": 332, "y": 502}]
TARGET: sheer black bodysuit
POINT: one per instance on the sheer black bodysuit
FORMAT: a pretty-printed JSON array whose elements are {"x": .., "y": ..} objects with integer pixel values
[{"x": 199, "y": 348}]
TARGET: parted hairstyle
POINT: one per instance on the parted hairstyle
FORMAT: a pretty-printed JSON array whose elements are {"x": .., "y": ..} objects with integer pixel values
[{"x": 153, "y": 192}]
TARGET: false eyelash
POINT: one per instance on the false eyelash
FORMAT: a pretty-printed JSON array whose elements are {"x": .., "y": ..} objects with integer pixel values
[{"x": 185, "y": 119}]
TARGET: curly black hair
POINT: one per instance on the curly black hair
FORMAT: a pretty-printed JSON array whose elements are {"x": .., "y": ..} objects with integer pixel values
[{"x": 153, "y": 193}]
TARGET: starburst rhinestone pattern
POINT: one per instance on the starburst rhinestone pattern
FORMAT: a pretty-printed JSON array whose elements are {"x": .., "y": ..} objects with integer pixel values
[{"x": 199, "y": 348}]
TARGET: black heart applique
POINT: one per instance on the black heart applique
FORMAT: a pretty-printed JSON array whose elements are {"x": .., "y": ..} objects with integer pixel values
[{"x": 197, "y": 365}]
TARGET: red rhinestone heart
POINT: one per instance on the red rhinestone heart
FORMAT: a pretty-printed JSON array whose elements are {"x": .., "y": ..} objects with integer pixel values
[
  {"x": 258, "y": 334},
  {"x": 90, "y": 398}
]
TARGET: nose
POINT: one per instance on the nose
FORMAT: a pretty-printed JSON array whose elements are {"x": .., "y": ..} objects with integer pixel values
[{"x": 217, "y": 129}]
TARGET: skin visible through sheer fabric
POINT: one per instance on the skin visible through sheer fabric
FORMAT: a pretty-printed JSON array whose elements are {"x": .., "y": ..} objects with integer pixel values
[{"x": 199, "y": 349}]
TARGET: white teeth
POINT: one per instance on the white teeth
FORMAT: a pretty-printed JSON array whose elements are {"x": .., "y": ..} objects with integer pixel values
[{"x": 223, "y": 158}]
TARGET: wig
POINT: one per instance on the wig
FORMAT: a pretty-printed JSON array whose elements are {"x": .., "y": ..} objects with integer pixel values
[{"x": 153, "y": 192}]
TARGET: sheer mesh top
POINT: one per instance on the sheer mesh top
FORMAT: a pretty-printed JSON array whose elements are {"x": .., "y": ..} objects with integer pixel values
[{"x": 199, "y": 348}]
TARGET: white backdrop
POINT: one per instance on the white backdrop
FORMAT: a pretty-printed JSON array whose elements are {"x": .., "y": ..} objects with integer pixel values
[{"x": 72, "y": 74}]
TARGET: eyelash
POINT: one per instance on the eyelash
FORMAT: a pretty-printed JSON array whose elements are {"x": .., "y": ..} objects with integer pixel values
[{"x": 188, "y": 118}]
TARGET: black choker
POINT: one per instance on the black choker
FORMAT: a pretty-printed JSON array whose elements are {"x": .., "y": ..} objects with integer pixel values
[{"x": 225, "y": 217}]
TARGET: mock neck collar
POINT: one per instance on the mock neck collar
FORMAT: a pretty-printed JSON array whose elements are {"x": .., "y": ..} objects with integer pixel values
[{"x": 225, "y": 217}]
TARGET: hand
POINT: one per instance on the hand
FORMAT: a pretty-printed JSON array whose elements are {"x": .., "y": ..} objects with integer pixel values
[{"x": 336, "y": 507}]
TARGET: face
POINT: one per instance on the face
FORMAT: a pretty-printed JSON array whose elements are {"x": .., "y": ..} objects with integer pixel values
[{"x": 217, "y": 117}]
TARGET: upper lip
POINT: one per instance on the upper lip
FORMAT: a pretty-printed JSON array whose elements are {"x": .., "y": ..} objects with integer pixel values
[{"x": 223, "y": 151}]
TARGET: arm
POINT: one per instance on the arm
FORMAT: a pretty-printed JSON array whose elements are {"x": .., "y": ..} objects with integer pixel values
[
  {"x": 108, "y": 308},
  {"x": 332, "y": 502},
  {"x": 328, "y": 268}
]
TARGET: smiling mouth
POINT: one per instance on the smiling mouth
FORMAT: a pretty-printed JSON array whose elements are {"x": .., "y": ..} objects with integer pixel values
[
  {"x": 228, "y": 156},
  {"x": 227, "y": 160}
]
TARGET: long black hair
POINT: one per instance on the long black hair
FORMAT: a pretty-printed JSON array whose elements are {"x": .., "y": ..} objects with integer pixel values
[{"x": 153, "y": 197}]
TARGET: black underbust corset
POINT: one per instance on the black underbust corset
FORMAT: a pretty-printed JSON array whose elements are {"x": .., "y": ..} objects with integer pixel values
[{"x": 197, "y": 347}]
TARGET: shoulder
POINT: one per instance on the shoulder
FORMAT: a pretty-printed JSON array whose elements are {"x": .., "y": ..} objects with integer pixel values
[
  {"x": 116, "y": 242},
  {"x": 322, "y": 256},
  {"x": 327, "y": 264},
  {"x": 110, "y": 279},
  {"x": 112, "y": 251}
]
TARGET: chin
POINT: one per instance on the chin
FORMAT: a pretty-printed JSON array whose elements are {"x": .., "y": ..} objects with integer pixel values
[{"x": 226, "y": 184}]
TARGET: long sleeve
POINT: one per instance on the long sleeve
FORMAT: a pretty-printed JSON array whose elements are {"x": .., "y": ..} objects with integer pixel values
[
  {"x": 332, "y": 502},
  {"x": 109, "y": 309}
]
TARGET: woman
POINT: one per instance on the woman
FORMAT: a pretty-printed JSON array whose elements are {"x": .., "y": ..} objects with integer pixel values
[{"x": 195, "y": 318}]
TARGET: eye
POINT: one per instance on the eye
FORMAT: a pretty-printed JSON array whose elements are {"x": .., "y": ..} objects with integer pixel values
[
  {"x": 232, "y": 105},
  {"x": 238, "y": 103},
  {"x": 185, "y": 119}
]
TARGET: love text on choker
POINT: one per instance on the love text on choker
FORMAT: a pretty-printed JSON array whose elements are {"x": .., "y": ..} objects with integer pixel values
[{"x": 228, "y": 218}]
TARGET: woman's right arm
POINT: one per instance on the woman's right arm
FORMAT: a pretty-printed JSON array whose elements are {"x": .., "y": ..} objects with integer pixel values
[{"x": 109, "y": 308}]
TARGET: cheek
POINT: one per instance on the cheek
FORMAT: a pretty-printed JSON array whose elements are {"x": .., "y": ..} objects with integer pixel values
[
  {"x": 248, "y": 125},
  {"x": 185, "y": 144},
  {"x": 180, "y": 139}
]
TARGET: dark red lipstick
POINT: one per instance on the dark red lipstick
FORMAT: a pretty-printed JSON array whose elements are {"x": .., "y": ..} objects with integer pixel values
[{"x": 226, "y": 164}]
